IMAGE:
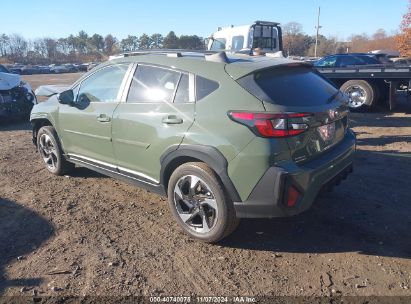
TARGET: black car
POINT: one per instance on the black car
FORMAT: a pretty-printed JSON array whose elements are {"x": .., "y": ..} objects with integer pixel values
[{"x": 344, "y": 60}]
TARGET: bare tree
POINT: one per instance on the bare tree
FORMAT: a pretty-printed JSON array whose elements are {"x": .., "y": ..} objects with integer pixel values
[
  {"x": 110, "y": 43},
  {"x": 294, "y": 41},
  {"x": 97, "y": 42},
  {"x": 292, "y": 28},
  {"x": 17, "y": 46},
  {"x": 379, "y": 34},
  {"x": 4, "y": 45}
]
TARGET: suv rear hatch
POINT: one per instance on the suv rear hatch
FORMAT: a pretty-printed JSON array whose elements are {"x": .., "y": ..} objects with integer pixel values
[{"x": 311, "y": 110}]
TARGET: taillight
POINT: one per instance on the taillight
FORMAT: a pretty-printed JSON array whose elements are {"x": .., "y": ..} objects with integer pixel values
[
  {"x": 271, "y": 125},
  {"x": 292, "y": 196}
]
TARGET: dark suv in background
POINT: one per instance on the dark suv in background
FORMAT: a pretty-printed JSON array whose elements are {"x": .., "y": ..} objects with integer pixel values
[{"x": 345, "y": 60}]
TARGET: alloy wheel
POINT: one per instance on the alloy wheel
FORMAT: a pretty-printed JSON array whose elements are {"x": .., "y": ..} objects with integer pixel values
[
  {"x": 48, "y": 151},
  {"x": 195, "y": 203}
]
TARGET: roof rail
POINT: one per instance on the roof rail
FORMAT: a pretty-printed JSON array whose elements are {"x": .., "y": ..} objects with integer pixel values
[{"x": 164, "y": 52}]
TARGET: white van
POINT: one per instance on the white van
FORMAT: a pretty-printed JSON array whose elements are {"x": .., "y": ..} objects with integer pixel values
[{"x": 264, "y": 35}]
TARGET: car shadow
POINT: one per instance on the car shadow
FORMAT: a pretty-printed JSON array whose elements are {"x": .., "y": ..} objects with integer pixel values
[
  {"x": 86, "y": 173},
  {"x": 22, "y": 231},
  {"x": 383, "y": 140},
  {"x": 22, "y": 125},
  {"x": 369, "y": 213}
]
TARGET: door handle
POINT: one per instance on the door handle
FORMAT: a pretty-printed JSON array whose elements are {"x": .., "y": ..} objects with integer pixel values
[
  {"x": 103, "y": 118},
  {"x": 172, "y": 120}
]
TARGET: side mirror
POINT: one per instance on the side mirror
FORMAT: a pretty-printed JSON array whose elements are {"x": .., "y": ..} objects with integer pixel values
[{"x": 66, "y": 97}]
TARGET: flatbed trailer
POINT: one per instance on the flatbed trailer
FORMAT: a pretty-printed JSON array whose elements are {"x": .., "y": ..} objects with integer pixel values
[{"x": 367, "y": 84}]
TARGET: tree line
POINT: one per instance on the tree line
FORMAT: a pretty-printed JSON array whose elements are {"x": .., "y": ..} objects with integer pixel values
[
  {"x": 403, "y": 39},
  {"x": 296, "y": 43},
  {"x": 84, "y": 47}
]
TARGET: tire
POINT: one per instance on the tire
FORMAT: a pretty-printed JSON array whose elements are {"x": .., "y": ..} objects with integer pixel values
[
  {"x": 199, "y": 203},
  {"x": 50, "y": 150},
  {"x": 362, "y": 94}
]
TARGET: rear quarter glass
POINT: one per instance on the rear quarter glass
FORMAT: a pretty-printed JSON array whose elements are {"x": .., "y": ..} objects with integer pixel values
[
  {"x": 290, "y": 86},
  {"x": 205, "y": 87}
]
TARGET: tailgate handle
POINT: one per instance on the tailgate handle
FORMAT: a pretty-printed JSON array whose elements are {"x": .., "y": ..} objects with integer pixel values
[{"x": 172, "y": 120}]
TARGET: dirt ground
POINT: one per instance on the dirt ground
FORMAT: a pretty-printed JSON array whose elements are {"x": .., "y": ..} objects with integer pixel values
[{"x": 86, "y": 234}]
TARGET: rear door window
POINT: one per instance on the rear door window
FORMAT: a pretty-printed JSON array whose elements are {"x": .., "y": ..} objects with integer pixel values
[
  {"x": 369, "y": 59},
  {"x": 290, "y": 86},
  {"x": 349, "y": 60},
  {"x": 153, "y": 84}
]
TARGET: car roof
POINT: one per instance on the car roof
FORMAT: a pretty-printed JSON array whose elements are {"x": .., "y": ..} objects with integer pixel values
[
  {"x": 352, "y": 54},
  {"x": 236, "y": 65}
]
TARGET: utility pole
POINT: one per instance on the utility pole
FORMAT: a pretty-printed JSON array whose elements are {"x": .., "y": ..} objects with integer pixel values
[{"x": 318, "y": 29}]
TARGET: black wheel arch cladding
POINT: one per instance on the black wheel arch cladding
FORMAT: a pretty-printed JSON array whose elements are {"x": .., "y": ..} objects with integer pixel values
[{"x": 207, "y": 154}]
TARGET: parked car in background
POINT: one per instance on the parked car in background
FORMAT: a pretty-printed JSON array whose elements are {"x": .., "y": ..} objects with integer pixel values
[
  {"x": 388, "y": 54},
  {"x": 365, "y": 79},
  {"x": 59, "y": 69},
  {"x": 401, "y": 61},
  {"x": 82, "y": 67},
  {"x": 92, "y": 65},
  {"x": 71, "y": 68},
  {"x": 345, "y": 60},
  {"x": 16, "y": 96},
  {"x": 44, "y": 69},
  {"x": 223, "y": 137},
  {"x": 16, "y": 69}
]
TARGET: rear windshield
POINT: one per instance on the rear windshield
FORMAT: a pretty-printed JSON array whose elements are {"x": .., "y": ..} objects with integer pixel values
[{"x": 290, "y": 86}]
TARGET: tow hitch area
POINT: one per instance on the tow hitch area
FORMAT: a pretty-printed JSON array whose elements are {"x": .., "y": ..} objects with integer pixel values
[{"x": 336, "y": 180}]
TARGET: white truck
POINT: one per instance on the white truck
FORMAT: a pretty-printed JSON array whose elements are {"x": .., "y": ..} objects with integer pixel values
[{"x": 264, "y": 35}]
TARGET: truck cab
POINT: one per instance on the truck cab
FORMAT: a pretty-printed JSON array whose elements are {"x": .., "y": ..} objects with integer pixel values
[{"x": 264, "y": 35}]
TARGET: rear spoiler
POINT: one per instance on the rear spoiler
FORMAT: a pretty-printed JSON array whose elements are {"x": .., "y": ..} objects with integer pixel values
[{"x": 50, "y": 90}]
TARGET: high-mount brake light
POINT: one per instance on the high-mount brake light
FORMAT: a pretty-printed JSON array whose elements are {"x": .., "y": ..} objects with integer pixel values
[{"x": 271, "y": 125}]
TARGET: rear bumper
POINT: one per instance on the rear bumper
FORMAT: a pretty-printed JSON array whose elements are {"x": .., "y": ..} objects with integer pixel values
[{"x": 268, "y": 196}]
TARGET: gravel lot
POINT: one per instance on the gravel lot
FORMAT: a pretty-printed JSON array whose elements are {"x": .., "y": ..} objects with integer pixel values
[{"x": 86, "y": 234}]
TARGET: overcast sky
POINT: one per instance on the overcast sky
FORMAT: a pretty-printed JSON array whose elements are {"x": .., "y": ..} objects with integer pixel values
[{"x": 60, "y": 18}]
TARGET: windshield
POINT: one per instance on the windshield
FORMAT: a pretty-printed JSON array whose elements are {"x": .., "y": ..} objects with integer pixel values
[
  {"x": 290, "y": 86},
  {"x": 218, "y": 44}
]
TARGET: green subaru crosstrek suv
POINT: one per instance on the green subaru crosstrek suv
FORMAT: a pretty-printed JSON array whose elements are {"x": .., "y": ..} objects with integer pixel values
[{"x": 222, "y": 137}]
